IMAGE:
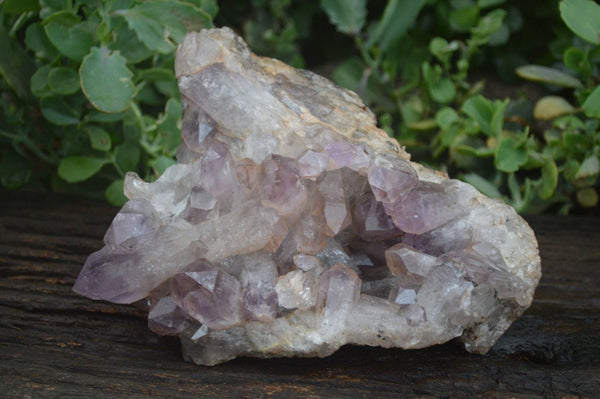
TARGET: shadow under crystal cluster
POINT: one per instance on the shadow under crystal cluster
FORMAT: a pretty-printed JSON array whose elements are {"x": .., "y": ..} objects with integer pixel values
[{"x": 292, "y": 225}]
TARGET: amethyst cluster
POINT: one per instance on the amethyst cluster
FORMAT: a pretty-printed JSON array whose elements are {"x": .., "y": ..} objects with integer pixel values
[{"x": 291, "y": 225}]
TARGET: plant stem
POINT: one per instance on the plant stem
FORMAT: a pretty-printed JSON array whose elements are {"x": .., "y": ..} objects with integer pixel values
[{"x": 30, "y": 146}]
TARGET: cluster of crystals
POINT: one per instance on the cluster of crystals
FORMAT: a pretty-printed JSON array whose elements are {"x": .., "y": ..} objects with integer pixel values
[
  {"x": 217, "y": 243},
  {"x": 300, "y": 250}
]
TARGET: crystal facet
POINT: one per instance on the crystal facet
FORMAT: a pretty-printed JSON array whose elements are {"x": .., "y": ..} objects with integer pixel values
[{"x": 292, "y": 225}]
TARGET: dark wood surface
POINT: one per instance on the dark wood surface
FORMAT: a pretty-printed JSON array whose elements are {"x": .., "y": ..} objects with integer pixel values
[{"x": 56, "y": 344}]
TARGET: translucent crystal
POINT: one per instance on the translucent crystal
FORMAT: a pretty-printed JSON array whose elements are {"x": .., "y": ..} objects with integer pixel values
[{"x": 291, "y": 225}]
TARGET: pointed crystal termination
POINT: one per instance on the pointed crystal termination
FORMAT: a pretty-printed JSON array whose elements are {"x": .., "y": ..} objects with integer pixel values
[{"x": 292, "y": 225}]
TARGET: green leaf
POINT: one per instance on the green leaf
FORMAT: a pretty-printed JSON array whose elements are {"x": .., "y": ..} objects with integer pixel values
[
  {"x": 57, "y": 111},
  {"x": 62, "y": 80},
  {"x": 163, "y": 78},
  {"x": 397, "y": 17},
  {"x": 464, "y": 18},
  {"x": 583, "y": 18},
  {"x": 79, "y": 168},
  {"x": 20, "y": 6},
  {"x": 488, "y": 25},
  {"x": 589, "y": 167},
  {"x": 50, "y": 7},
  {"x": 168, "y": 125},
  {"x": 99, "y": 138},
  {"x": 103, "y": 117},
  {"x": 480, "y": 109},
  {"x": 591, "y": 106},
  {"x": 509, "y": 157},
  {"x": 161, "y": 25},
  {"x": 349, "y": 73},
  {"x": 161, "y": 163},
  {"x": 127, "y": 156},
  {"x": 15, "y": 170},
  {"x": 443, "y": 92},
  {"x": 587, "y": 197},
  {"x": 539, "y": 73},
  {"x": 126, "y": 42},
  {"x": 156, "y": 74},
  {"x": 489, "y": 3},
  {"x": 36, "y": 40},
  {"x": 39, "y": 81},
  {"x": 106, "y": 80},
  {"x": 499, "y": 37},
  {"x": 348, "y": 16},
  {"x": 114, "y": 193},
  {"x": 573, "y": 58},
  {"x": 210, "y": 7},
  {"x": 425, "y": 124},
  {"x": 489, "y": 116},
  {"x": 16, "y": 67},
  {"x": 441, "y": 89},
  {"x": 449, "y": 135},
  {"x": 445, "y": 117},
  {"x": 549, "y": 179},
  {"x": 72, "y": 41},
  {"x": 550, "y": 107},
  {"x": 481, "y": 184},
  {"x": 441, "y": 49},
  {"x": 514, "y": 188}
]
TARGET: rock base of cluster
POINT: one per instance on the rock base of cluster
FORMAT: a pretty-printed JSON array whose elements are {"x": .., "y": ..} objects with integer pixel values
[{"x": 292, "y": 225}]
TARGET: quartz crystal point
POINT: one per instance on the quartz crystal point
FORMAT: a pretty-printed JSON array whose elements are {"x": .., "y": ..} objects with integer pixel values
[{"x": 292, "y": 225}]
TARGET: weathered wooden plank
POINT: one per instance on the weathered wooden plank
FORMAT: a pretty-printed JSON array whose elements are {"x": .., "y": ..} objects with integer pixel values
[{"x": 54, "y": 343}]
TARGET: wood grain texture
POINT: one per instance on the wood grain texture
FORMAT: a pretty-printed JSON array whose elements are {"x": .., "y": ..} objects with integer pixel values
[{"x": 56, "y": 344}]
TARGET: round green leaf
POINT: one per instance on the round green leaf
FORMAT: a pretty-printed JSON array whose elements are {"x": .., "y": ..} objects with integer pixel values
[
  {"x": 127, "y": 156},
  {"x": 79, "y": 168},
  {"x": 20, "y": 6},
  {"x": 348, "y": 16},
  {"x": 99, "y": 138},
  {"x": 583, "y": 18},
  {"x": 103, "y": 117},
  {"x": 463, "y": 19},
  {"x": 114, "y": 193},
  {"x": 160, "y": 25},
  {"x": 499, "y": 36},
  {"x": 73, "y": 42},
  {"x": 39, "y": 81},
  {"x": 573, "y": 58},
  {"x": 36, "y": 40},
  {"x": 57, "y": 111},
  {"x": 549, "y": 179},
  {"x": 127, "y": 43},
  {"x": 591, "y": 106},
  {"x": 587, "y": 197},
  {"x": 589, "y": 167},
  {"x": 550, "y": 107},
  {"x": 445, "y": 117},
  {"x": 63, "y": 80},
  {"x": 509, "y": 157},
  {"x": 539, "y": 73},
  {"x": 106, "y": 80},
  {"x": 15, "y": 170}
]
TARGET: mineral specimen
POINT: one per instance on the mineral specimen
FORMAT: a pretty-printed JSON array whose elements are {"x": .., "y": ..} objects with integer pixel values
[{"x": 292, "y": 225}]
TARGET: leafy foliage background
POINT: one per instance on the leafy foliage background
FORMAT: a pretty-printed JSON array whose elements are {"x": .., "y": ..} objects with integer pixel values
[{"x": 502, "y": 94}]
